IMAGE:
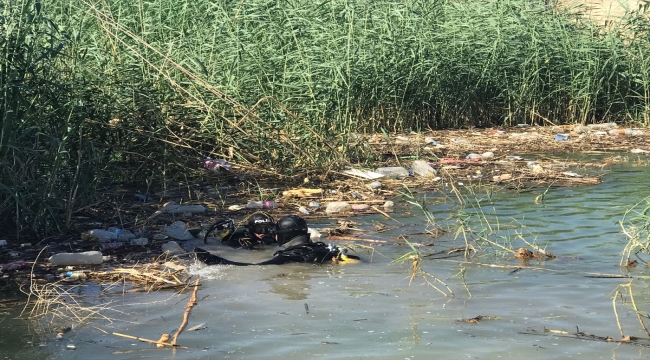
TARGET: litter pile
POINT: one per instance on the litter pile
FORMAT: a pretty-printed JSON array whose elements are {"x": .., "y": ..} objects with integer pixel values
[{"x": 109, "y": 245}]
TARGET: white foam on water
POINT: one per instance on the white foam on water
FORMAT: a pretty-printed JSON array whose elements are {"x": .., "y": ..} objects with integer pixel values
[{"x": 207, "y": 272}]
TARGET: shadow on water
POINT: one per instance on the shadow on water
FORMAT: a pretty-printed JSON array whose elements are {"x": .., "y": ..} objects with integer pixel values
[
  {"x": 20, "y": 339},
  {"x": 368, "y": 310}
]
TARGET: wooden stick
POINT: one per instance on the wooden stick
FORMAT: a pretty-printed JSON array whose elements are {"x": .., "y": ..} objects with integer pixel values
[
  {"x": 616, "y": 313},
  {"x": 352, "y": 238},
  {"x": 381, "y": 212},
  {"x": 607, "y": 276},
  {"x": 188, "y": 309},
  {"x": 148, "y": 341}
]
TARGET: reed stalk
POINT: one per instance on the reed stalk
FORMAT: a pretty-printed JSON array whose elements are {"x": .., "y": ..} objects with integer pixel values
[{"x": 102, "y": 93}]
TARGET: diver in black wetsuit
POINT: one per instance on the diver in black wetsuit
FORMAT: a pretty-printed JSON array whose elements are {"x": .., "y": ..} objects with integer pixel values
[
  {"x": 291, "y": 230},
  {"x": 258, "y": 231}
]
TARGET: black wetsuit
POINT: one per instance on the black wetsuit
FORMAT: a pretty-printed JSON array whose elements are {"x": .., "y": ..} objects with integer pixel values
[
  {"x": 299, "y": 249},
  {"x": 241, "y": 238}
]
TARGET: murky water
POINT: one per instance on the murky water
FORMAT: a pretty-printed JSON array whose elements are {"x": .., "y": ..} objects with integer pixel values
[{"x": 369, "y": 310}]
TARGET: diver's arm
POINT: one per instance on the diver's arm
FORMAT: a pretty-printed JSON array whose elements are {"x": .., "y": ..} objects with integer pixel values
[{"x": 210, "y": 259}]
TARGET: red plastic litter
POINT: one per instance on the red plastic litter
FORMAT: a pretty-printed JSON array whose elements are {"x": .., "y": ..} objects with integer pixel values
[{"x": 15, "y": 265}]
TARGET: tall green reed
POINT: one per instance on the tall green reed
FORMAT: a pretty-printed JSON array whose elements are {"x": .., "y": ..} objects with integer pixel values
[
  {"x": 40, "y": 171},
  {"x": 139, "y": 90},
  {"x": 343, "y": 66}
]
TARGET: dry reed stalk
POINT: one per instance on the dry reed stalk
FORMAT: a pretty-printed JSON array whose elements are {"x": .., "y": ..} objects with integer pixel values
[
  {"x": 636, "y": 310},
  {"x": 416, "y": 271},
  {"x": 620, "y": 328},
  {"x": 462, "y": 276},
  {"x": 383, "y": 213},
  {"x": 352, "y": 238},
  {"x": 157, "y": 342},
  {"x": 186, "y": 314},
  {"x": 499, "y": 265}
]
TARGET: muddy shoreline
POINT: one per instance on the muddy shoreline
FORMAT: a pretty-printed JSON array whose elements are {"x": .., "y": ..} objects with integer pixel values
[{"x": 517, "y": 158}]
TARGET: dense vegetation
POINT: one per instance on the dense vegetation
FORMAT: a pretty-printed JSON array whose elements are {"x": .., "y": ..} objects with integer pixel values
[{"x": 113, "y": 91}]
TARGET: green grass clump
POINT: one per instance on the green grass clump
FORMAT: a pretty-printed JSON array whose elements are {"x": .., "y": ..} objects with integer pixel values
[
  {"x": 636, "y": 226},
  {"x": 96, "y": 93}
]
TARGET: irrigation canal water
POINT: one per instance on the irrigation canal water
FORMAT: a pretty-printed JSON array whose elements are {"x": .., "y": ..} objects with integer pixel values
[{"x": 369, "y": 310}]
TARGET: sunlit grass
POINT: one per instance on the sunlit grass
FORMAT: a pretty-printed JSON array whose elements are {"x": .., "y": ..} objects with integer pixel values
[{"x": 98, "y": 93}]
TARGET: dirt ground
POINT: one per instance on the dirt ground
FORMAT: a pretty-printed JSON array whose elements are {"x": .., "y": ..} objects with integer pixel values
[
  {"x": 603, "y": 11},
  {"x": 505, "y": 159}
]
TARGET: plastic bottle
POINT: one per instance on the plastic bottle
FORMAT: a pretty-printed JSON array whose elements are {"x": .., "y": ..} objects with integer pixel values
[
  {"x": 359, "y": 207},
  {"x": 422, "y": 168},
  {"x": 81, "y": 258},
  {"x": 393, "y": 172},
  {"x": 314, "y": 234},
  {"x": 579, "y": 129},
  {"x": 75, "y": 275},
  {"x": 605, "y": 126},
  {"x": 139, "y": 241},
  {"x": 110, "y": 234},
  {"x": 338, "y": 207},
  {"x": 375, "y": 185},
  {"x": 631, "y": 132},
  {"x": 487, "y": 155},
  {"x": 111, "y": 245},
  {"x": 263, "y": 205}
]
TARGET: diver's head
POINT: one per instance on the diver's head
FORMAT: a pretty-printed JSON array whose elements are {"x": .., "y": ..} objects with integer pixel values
[
  {"x": 289, "y": 227},
  {"x": 260, "y": 224}
]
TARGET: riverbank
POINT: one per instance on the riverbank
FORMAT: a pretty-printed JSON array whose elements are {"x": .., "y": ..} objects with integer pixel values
[{"x": 504, "y": 159}]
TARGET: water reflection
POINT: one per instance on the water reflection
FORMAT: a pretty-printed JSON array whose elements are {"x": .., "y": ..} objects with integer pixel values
[
  {"x": 21, "y": 339},
  {"x": 291, "y": 286},
  {"x": 369, "y": 310}
]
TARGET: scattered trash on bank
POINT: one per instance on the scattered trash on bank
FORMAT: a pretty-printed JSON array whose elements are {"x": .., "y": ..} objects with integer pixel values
[
  {"x": 423, "y": 169},
  {"x": 12, "y": 266},
  {"x": 110, "y": 235},
  {"x": 337, "y": 207},
  {"x": 217, "y": 165},
  {"x": 627, "y": 132},
  {"x": 364, "y": 174},
  {"x": 446, "y": 163},
  {"x": 172, "y": 207},
  {"x": 639, "y": 151},
  {"x": 263, "y": 205},
  {"x": 393, "y": 172},
  {"x": 179, "y": 230},
  {"x": 302, "y": 193},
  {"x": 79, "y": 258}
]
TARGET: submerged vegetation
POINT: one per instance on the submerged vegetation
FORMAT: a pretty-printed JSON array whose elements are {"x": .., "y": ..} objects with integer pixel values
[{"x": 98, "y": 93}]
